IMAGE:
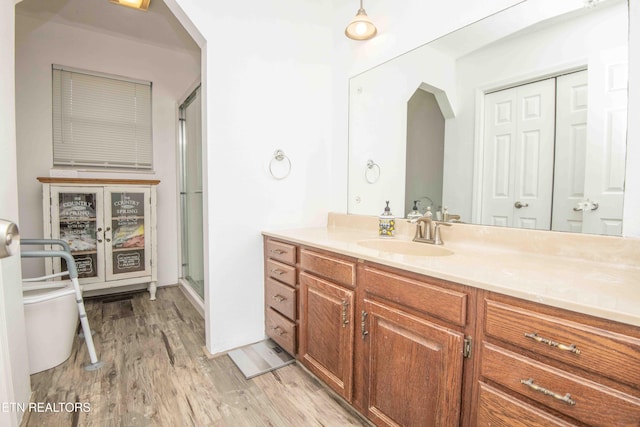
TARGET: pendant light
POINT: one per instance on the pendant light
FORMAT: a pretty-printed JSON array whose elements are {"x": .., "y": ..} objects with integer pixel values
[{"x": 361, "y": 27}]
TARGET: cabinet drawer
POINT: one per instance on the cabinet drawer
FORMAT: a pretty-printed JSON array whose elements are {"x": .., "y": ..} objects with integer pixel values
[
  {"x": 499, "y": 409},
  {"x": 282, "y": 272},
  {"x": 281, "y": 297},
  {"x": 606, "y": 353},
  {"x": 281, "y": 251},
  {"x": 442, "y": 303},
  {"x": 577, "y": 397},
  {"x": 338, "y": 270},
  {"x": 281, "y": 330}
]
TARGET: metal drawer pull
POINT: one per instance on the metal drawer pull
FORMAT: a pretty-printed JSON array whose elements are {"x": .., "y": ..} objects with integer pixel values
[
  {"x": 278, "y": 331},
  {"x": 278, "y": 251},
  {"x": 345, "y": 321},
  {"x": 278, "y": 298},
  {"x": 572, "y": 347},
  {"x": 566, "y": 398},
  {"x": 278, "y": 271},
  {"x": 363, "y": 324}
]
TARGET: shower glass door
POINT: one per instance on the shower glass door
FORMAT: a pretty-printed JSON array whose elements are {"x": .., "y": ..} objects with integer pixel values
[{"x": 191, "y": 192}]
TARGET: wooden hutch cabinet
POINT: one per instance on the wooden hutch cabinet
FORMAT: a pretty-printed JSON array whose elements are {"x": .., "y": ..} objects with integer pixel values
[{"x": 110, "y": 226}]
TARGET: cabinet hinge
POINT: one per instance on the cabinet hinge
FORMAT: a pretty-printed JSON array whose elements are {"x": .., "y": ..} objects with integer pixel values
[{"x": 466, "y": 351}]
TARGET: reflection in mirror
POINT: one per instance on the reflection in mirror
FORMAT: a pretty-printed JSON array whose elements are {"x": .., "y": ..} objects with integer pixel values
[{"x": 518, "y": 120}]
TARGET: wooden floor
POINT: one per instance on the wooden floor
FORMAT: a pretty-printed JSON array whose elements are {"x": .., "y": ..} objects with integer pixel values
[{"x": 156, "y": 374}]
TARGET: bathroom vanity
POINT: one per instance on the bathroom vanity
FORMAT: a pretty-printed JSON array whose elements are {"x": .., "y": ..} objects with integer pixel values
[
  {"x": 481, "y": 331},
  {"x": 110, "y": 225}
]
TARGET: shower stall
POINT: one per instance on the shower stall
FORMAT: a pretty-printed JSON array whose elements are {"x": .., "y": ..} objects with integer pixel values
[{"x": 191, "y": 193}]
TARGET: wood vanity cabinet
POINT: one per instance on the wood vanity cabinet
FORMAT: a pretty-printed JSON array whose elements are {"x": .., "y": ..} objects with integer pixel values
[
  {"x": 281, "y": 293},
  {"x": 327, "y": 298},
  {"x": 541, "y": 366},
  {"x": 397, "y": 346},
  {"x": 413, "y": 335}
]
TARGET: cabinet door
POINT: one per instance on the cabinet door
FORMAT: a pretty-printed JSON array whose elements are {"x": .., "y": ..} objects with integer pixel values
[
  {"x": 76, "y": 217},
  {"x": 326, "y": 336},
  {"x": 127, "y": 220},
  {"x": 413, "y": 369}
]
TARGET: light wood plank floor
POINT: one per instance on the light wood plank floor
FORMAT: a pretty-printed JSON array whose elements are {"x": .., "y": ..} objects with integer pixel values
[{"x": 156, "y": 374}]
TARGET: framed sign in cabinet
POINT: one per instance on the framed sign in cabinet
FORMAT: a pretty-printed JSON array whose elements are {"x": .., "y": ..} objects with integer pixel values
[{"x": 110, "y": 226}]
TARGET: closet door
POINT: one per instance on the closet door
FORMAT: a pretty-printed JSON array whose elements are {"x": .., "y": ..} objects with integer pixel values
[
  {"x": 571, "y": 150},
  {"x": 606, "y": 142},
  {"x": 518, "y": 156}
]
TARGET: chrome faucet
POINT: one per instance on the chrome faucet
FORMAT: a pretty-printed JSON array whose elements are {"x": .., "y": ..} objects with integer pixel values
[{"x": 425, "y": 231}]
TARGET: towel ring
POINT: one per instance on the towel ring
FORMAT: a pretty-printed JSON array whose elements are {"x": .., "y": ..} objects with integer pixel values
[
  {"x": 279, "y": 156},
  {"x": 371, "y": 166}
]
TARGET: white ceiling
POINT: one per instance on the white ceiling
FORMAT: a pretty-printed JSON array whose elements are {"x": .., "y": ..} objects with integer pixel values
[{"x": 156, "y": 26}]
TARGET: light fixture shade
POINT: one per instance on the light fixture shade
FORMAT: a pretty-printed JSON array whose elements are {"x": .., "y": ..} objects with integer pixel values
[
  {"x": 136, "y": 4},
  {"x": 361, "y": 27}
]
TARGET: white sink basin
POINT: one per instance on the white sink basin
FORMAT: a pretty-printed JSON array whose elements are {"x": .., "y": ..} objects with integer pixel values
[{"x": 405, "y": 247}]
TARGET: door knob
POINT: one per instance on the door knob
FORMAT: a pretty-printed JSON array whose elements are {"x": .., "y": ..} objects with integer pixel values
[
  {"x": 9, "y": 238},
  {"x": 586, "y": 206},
  {"x": 519, "y": 204}
]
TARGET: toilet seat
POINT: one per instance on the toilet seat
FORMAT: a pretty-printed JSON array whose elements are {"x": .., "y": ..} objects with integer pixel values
[{"x": 39, "y": 295}]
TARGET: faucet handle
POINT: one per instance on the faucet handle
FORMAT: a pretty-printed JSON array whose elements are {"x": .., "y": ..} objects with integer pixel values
[
  {"x": 437, "y": 239},
  {"x": 448, "y": 224}
]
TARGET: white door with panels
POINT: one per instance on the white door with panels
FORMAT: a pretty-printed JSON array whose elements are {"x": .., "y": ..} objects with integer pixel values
[
  {"x": 571, "y": 152},
  {"x": 606, "y": 143},
  {"x": 518, "y": 156}
]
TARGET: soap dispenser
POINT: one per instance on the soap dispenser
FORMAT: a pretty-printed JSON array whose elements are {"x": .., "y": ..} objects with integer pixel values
[
  {"x": 387, "y": 223},
  {"x": 415, "y": 213}
]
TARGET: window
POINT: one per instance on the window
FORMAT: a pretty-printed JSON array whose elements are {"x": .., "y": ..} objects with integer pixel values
[{"x": 101, "y": 121}]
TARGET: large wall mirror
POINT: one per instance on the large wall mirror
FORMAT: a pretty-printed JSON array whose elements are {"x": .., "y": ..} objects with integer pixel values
[{"x": 517, "y": 120}]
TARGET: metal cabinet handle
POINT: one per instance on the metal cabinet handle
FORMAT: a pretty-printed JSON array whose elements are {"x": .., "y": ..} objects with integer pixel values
[
  {"x": 278, "y": 298},
  {"x": 566, "y": 398},
  {"x": 345, "y": 321},
  {"x": 519, "y": 205},
  {"x": 564, "y": 347},
  {"x": 278, "y": 271},
  {"x": 278, "y": 251},
  {"x": 278, "y": 331},
  {"x": 363, "y": 324}
]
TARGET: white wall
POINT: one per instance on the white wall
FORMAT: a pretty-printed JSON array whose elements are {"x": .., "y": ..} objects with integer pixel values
[
  {"x": 560, "y": 47},
  {"x": 267, "y": 87},
  {"x": 40, "y": 44},
  {"x": 378, "y": 124},
  {"x": 402, "y": 26},
  {"x": 14, "y": 369},
  {"x": 277, "y": 77}
]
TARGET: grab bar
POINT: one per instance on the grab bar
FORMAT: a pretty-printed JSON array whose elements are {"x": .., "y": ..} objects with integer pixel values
[
  {"x": 71, "y": 263},
  {"x": 59, "y": 242},
  {"x": 73, "y": 275}
]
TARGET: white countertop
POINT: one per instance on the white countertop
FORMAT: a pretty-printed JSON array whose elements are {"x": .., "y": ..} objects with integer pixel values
[{"x": 600, "y": 288}]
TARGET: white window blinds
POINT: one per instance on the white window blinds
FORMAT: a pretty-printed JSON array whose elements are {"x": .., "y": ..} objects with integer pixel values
[{"x": 101, "y": 121}]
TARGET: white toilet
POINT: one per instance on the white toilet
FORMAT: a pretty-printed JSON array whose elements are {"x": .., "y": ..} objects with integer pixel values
[{"x": 51, "y": 319}]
